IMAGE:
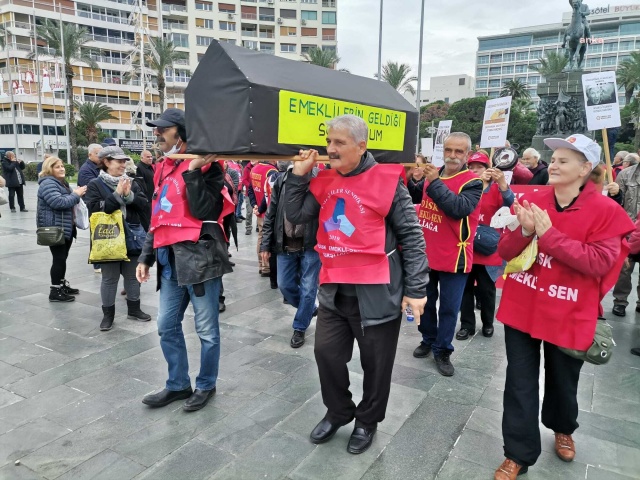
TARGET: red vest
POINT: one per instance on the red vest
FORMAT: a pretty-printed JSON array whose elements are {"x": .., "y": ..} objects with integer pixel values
[
  {"x": 352, "y": 231},
  {"x": 258, "y": 181},
  {"x": 552, "y": 301},
  {"x": 444, "y": 235},
  {"x": 171, "y": 219},
  {"x": 492, "y": 201}
]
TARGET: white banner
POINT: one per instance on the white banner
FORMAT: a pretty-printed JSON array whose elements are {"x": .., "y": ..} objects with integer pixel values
[
  {"x": 496, "y": 122},
  {"x": 444, "y": 129},
  {"x": 426, "y": 146},
  {"x": 601, "y": 100}
]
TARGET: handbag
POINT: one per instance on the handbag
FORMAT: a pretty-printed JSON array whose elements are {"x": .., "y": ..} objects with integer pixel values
[
  {"x": 81, "y": 213},
  {"x": 600, "y": 350},
  {"x": 50, "y": 236},
  {"x": 524, "y": 261},
  {"x": 135, "y": 236},
  {"x": 107, "y": 237},
  {"x": 486, "y": 240}
]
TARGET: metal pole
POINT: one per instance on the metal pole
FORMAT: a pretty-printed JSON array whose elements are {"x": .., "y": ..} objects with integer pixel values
[
  {"x": 13, "y": 103},
  {"x": 142, "y": 76},
  {"x": 380, "y": 44},
  {"x": 35, "y": 46},
  {"x": 420, "y": 73},
  {"x": 66, "y": 89}
]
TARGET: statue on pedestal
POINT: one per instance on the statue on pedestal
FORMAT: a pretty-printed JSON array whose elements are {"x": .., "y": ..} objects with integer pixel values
[{"x": 577, "y": 35}]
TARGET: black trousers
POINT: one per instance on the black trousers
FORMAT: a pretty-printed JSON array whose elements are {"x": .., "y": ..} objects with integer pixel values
[
  {"x": 19, "y": 191},
  {"x": 59, "y": 263},
  {"x": 486, "y": 293},
  {"x": 335, "y": 333},
  {"x": 520, "y": 429}
]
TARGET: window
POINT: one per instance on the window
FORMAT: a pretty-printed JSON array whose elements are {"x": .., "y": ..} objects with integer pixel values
[
  {"x": 203, "y": 41},
  {"x": 494, "y": 82},
  {"x": 482, "y": 72},
  {"x": 204, "y": 23},
  {"x": 626, "y": 45},
  {"x": 250, "y": 44},
  {"x": 200, "y": 56},
  {"x": 534, "y": 80},
  {"x": 521, "y": 69},
  {"x": 536, "y": 54},
  {"x": 288, "y": 31},
  {"x": 288, "y": 13},
  {"x": 611, "y": 47},
  {"x": 494, "y": 71},
  {"x": 328, "y": 34},
  {"x": 484, "y": 59},
  {"x": 522, "y": 56},
  {"x": 180, "y": 39},
  {"x": 462, "y": 81},
  {"x": 597, "y": 48},
  {"x": 509, "y": 57},
  {"x": 548, "y": 39},
  {"x": 228, "y": 26},
  {"x": 506, "y": 42},
  {"x": 507, "y": 69},
  {"x": 267, "y": 14},
  {"x": 205, "y": 6},
  {"x": 309, "y": 32},
  {"x": 288, "y": 48},
  {"x": 326, "y": 48},
  {"x": 481, "y": 84},
  {"x": 609, "y": 61},
  {"x": 329, "y": 18},
  {"x": 630, "y": 29},
  {"x": 226, "y": 8},
  {"x": 309, "y": 15},
  {"x": 496, "y": 58}
]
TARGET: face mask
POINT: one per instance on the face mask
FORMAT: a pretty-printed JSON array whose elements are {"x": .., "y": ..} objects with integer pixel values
[{"x": 174, "y": 149}]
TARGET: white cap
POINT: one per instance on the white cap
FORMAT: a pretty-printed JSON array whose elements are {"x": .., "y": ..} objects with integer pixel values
[{"x": 579, "y": 143}]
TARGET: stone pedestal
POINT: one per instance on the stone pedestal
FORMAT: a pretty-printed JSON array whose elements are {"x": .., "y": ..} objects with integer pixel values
[{"x": 560, "y": 96}]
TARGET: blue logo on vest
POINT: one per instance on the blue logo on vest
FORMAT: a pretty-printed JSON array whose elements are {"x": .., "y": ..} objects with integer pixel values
[
  {"x": 163, "y": 203},
  {"x": 339, "y": 220}
]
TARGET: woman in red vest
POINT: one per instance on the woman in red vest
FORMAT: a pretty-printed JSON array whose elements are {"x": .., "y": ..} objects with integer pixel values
[{"x": 556, "y": 302}]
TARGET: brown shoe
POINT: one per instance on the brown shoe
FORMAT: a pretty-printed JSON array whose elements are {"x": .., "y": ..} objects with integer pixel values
[
  {"x": 509, "y": 470},
  {"x": 565, "y": 448}
]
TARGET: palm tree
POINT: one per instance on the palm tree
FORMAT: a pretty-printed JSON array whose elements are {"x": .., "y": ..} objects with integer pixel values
[
  {"x": 516, "y": 89},
  {"x": 554, "y": 63},
  {"x": 90, "y": 115},
  {"x": 628, "y": 75},
  {"x": 160, "y": 55},
  {"x": 398, "y": 76},
  {"x": 3, "y": 37},
  {"x": 323, "y": 58},
  {"x": 522, "y": 105},
  {"x": 74, "y": 39}
]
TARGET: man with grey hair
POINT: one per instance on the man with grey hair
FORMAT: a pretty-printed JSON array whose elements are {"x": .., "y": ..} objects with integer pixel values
[
  {"x": 630, "y": 160},
  {"x": 364, "y": 213},
  {"x": 90, "y": 169},
  {"x": 449, "y": 215},
  {"x": 617, "y": 162},
  {"x": 531, "y": 160}
]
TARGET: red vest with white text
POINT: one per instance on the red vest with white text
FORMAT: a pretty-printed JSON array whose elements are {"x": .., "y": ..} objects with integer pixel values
[
  {"x": 258, "y": 181},
  {"x": 492, "y": 201},
  {"x": 551, "y": 301},
  {"x": 352, "y": 231},
  {"x": 445, "y": 238},
  {"x": 171, "y": 219}
]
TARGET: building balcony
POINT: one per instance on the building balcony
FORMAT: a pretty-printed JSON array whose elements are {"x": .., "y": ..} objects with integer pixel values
[
  {"x": 249, "y": 16},
  {"x": 267, "y": 35},
  {"x": 170, "y": 8},
  {"x": 330, "y": 38},
  {"x": 329, "y": 3},
  {"x": 112, "y": 40},
  {"x": 101, "y": 17},
  {"x": 249, "y": 33},
  {"x": 175, "y": 26}
]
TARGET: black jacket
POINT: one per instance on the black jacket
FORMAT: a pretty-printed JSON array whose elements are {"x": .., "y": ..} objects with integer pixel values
[
  {"x": 415, "y": 190},
  {"x": 145, "y": 172},
  {"x": 10, "y": 173},
  {"x": 540, "y": 174},
  {"x": 97, "y": 200},
  {"x": 409, "y": 268},
  {"x": 273, "y": 227},
  {"x": 208, "y": 258}
]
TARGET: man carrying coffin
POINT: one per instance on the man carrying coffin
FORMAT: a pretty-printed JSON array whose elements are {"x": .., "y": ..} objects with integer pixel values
[
  {"x": 257, "y": 191},
  {"x": 365, "y": 213},
  {"x": 449, "y": 217}
]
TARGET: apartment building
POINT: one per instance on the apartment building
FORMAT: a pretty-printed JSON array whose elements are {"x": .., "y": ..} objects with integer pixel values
[{"x": 117, "y": 28}]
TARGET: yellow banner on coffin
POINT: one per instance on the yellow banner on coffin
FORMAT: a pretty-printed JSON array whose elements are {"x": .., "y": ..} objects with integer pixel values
[{"x": 302, "y": 121}]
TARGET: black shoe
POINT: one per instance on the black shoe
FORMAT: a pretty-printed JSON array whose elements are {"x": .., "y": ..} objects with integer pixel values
[
  {"x": 635, "y": 351},
  {"x": 478, "y": 307},
  {"x": 361, "y": 439},
  {"x": 297, "y": 340},
  {"x": 56, "y": 294},
  {"x": 284, "y": 300},
  {"x": 443, "y": 364},
  {"x": 638, "y": 309},
  {"x": 24, "y": 210},
  {"x": 274, "y": 286},
  {"x": 487, "y": 332},
  {"x": 13, "y": 210},
  {"x": 423, "y": 350},
  {"x": 198, "y": 399},
  {"x": 248, "y": 232},
  {"x": 233, "y": 264},
  {"x": 463, "y": 334},
  {"x": 619, "y": 310},
  {"x": 165, "y": 397},
  {"x": 221, "y": 307},
  {"x": 256, "y": 229},
  {"x": 134, "y": 312},
  {"x": 107, "y": 318},
  {"x": 66, "y": 288},
  {"x": 238, "y": 220},
  {"x": 315, "y": 312},
  {"x": 324, "y": 431},
  {"x": 265, "y": 274}
]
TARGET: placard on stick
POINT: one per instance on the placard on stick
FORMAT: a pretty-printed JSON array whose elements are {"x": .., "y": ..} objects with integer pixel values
[
  {"x": 496, "y": 122},
  {"x": 601, "y": 100},
  {"x": 444, "y": 129}
]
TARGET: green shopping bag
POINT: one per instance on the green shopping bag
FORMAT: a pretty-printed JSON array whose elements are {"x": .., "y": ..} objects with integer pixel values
[{"x": 108, "y": 242}]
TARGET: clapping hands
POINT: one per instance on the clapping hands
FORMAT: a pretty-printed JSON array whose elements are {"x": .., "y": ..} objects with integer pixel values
[{"x": 532, "y": 218}]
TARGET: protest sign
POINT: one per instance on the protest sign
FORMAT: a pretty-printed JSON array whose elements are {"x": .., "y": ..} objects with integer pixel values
[
  {"x": 444, "y": 129},
  {"x": 601, "y": 100},
  {"x": 426, "y": 146},
  {"x": 496, "y": 122}
]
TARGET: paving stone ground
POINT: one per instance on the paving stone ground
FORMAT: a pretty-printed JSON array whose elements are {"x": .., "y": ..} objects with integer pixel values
[{"x": 70, "y": 395}]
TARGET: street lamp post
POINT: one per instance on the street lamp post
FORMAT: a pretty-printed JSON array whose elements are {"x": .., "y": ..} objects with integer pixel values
[
  {"x": 420, "y": 73},
  {"x": 380, "y": 44}
]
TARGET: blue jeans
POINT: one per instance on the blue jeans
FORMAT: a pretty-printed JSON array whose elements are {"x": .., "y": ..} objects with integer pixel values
[
  {"x": 174, "y": 300},
  {"x": 437, "y": 328},
  {"x": 298, "y": 281},
  {"x": 239, "y": 205}
]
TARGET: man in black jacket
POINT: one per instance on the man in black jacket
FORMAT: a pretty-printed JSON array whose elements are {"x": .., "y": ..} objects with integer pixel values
[
  {"x": 187, "y": 204},
  {"x": 146, "y": 172},
  {"x": 531, "y": 160},
  {"x": 298, "y": 264},
  {"x": 365, "y": 213},
  {"x": 12, "y": 170}
]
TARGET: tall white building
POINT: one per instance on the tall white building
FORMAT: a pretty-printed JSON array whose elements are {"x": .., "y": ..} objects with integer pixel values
[
  {"x": 446, "y": 88},
  {"x": 117, "y": 28},
  {"x": 615, "y": 32}
]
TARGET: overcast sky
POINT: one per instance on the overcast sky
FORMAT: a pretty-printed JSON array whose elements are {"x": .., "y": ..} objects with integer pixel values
[{"x": 450, "y": 33}]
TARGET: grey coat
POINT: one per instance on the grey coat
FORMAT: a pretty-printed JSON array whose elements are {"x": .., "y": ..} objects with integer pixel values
[
  {"x": 409, "y": 268},
  {"x": 55, "y": 205}
]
